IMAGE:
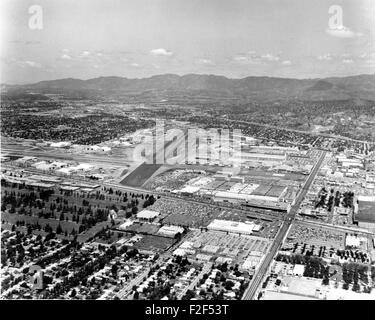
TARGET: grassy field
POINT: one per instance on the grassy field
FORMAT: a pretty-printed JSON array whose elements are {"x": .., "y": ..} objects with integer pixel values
[
  {"x": 13, "y": 218},
  {"x": 154, "y": 243},
  {"x": 144, "y": 228}
]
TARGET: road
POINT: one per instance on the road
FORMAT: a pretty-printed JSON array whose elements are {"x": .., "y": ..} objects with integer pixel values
[
  {"x": 260, "y": 273},
  {"x": 343, "y": 228}
]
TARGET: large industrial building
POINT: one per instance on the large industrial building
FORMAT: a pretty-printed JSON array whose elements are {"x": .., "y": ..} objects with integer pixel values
[
  {"x": 233, "y": 226},
  {"x": 147, "y": 215}
]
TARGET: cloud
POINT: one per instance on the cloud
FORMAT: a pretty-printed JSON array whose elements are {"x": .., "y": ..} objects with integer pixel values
[
  {"x": 66, "y": 57},
  {"x": 253, "y": 58},
  {"x": 346, "y": 55},
  {"x": 240, "y": 59},
  {"x": 286, "y": 62},
  {"x": 343, "y": 32},
  {"x": 347, "y": 61},
  {"x": 28, "y": 63},
  {"x": 26, "y": 43},
  {"x": 33, "y": 64},
  {"x": 85, "y": 54},
  {"x": 161, "y": 52},
  {"x": 326, "y": 57},
  {"x": 370, "y": 62},
  {"x": 367, "y": 55},
  {"x": 270, "y": 57},
  {"x": 134, "y": 64},
  {"x": 204, "y": 61},
  {"x": 250, "y": 58}
]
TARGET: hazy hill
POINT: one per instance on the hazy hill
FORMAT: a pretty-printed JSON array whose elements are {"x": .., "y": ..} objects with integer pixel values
[{"x": 215, "y": 87}]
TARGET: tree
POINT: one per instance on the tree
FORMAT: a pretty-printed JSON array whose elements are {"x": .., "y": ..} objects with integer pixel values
[
  {"x": 59, "y": 229},
  {"x": 73, "y": 293},
  {"x": 229, "y": 284},
  {"x": 356, "y": 287},
  {"x": 190, "y": 294},
  {"x": 134, "y": 210},
  {"x": 114, "y": 270}
]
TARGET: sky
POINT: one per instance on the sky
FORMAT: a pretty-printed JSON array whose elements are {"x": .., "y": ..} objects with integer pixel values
[{"x": 140, "y": 38}]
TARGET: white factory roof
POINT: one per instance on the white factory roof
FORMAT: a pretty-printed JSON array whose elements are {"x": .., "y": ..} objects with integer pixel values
[
  {"x": 352, "y": 241},
  {"x": 298, "y": 270},
  {"x": 82, "y": 166},
  {"x": 210, "y": 248},
  {"x": 69, "y": 188},
  {"x": 249, "y": 188},
  {"x": 170, "y": 230},
  {"x": 366, "y": 198},
  {"x": 60, "y": 144},
  {"x": 147, "y": 214},
  {"x": 231, "y": 226},
  {"x": 64, "y": 170},
  {"x": 41, "y": 165},
  {"x": 187, "y": 245},
  {"x": 126, "y": 224},
  {"x": 203, "y": 257},
  {"x": 243, "y": 196},
  {"x": 188, "y": 189},
  {"x": 179, "y": 252},
  {"x": 221, "y": 259},
  {"x": 256, "y": 227},
  {"x": 40, "y": 184},
  {"x": 250, "y": 262}
]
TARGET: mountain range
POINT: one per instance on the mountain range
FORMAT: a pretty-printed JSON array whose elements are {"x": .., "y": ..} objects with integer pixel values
[{"x": 360, "y": 87}]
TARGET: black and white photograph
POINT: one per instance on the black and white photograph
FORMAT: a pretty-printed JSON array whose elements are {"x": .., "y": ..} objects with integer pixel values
[{"x": 189, "y": 155}]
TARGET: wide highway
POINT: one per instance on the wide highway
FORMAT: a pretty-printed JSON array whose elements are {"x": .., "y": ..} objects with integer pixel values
[{"x": 260, "y": 273}]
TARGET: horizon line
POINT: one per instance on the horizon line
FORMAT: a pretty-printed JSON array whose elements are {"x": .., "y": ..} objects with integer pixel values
[{"x": 187, "y": 74}]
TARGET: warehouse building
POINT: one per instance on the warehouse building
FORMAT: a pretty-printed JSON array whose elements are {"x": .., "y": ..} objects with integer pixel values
[
  {"x": 170, "y": 231},
  {"x": 232, "y": 226},
  {"x": 147, "y": 215}
]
